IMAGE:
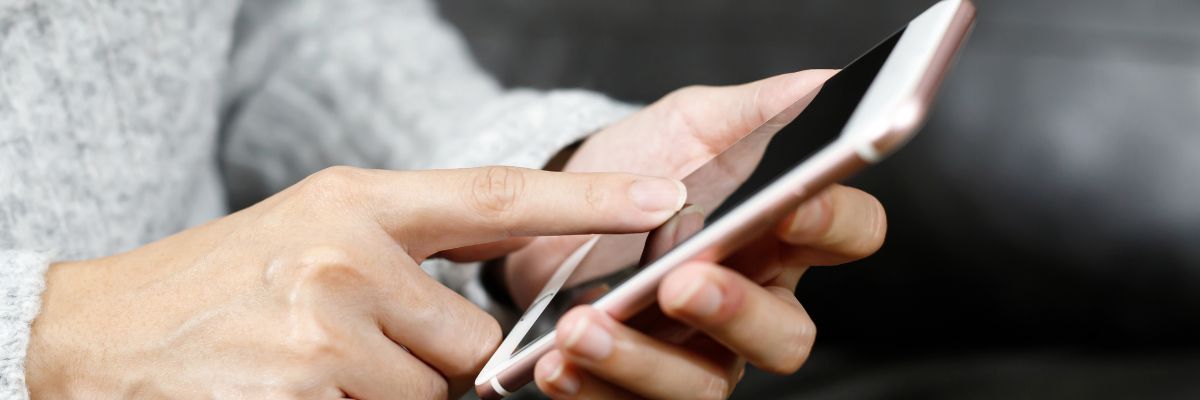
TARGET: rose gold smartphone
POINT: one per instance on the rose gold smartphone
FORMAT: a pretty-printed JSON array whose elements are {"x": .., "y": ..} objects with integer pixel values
[{"x": 865, "y": 112}]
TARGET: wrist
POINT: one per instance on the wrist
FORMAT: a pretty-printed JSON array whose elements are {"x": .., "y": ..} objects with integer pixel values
[
  {"x": 45, "y": 374},
  {"x": 58, "y": 357}
]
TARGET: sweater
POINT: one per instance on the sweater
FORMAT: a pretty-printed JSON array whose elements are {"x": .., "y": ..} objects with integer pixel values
[{"x": 123, "y": 122}]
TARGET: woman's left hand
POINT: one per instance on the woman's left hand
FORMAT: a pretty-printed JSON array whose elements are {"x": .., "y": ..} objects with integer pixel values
[{"x": 738, "y": 320}]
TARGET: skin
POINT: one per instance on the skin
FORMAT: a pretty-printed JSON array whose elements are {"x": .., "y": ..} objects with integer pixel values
[
  {"x": 316, "y": 292},
  {"x": 738, "y": 320}
]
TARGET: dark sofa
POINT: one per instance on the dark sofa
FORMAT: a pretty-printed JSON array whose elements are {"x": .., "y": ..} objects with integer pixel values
[{"x": 1045, "y": 227}]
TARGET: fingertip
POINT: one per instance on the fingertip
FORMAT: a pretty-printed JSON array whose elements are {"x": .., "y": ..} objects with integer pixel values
[
  {"x": 805, "y": 81},
  {"x": 809, "y": 222},
  {"x": 865, "y": 228},
  {"x": 683, "y": 194},
  {"x": 571, "y": 327},
  {"x": 697, "y": 292},
  {"x": 840, "y": 224},
  {"x": 660, "y": 197},
  {"x": 553, "y": 376},
  {"x": 675, "y": 285},
  {"x": 569, "y": 320},
  {"x": 585, "y": 335},
  {"x": 821, "y": 73},
  {"x": 879, "y": 233},
  {"x": 547, "y": 367}
]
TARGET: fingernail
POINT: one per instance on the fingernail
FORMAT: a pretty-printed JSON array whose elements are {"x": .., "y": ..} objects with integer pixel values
[
  {"x": 807, "y": 219},
  {"x": 699, "y": 298},
  {"x": 656, "y": 194},
  {"x": 588, "y": 340},
  {"x": 564, "y": 382}
]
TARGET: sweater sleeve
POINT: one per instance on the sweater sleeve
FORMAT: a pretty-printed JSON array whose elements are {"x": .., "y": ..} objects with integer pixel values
[
  {"x": 381, "y": 84},
  {"x": 378, "y": 84},
  {"x": 22, "y": 280}
]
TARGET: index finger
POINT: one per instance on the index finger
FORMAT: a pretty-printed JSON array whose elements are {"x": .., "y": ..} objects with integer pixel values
[{"x": 430, "y": 211}]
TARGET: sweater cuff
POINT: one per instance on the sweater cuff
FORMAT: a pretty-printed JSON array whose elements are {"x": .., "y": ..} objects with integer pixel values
[
  {"x": 22, "y": 280},
  {"x": 526, "y": 128}
]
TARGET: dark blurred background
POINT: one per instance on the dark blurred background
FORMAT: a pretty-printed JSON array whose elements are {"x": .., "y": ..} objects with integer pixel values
[{"x": 1044, "y": 228}]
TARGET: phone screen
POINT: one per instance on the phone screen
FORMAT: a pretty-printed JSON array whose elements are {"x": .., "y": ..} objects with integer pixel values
[{"x": 714, "y": 189}]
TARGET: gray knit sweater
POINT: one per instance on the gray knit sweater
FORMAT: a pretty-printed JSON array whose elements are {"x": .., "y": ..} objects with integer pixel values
[{"x": 117, "y": 119}]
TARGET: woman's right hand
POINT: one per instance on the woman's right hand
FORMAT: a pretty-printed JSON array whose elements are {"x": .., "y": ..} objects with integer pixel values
[{"x": 315, "y": 292}]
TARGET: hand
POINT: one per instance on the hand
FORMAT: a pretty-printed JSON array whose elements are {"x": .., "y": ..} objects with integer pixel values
[
  {"x": 315, "y": 292},
  {"x": 670, "y": 138},
  {"x": 740, "y": 320}
]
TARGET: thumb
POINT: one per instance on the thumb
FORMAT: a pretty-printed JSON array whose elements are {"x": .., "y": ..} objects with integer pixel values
[
  {"x": 729, "y": 112},
  {"x": 431, "y": 211}
]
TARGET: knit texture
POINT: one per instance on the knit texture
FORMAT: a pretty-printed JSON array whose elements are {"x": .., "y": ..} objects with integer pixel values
[
  {"x": 122, "y": 122},
  {"x": 21, "y": 285}
]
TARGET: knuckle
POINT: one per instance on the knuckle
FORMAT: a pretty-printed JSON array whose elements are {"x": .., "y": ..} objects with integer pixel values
[
  {"x": 685, "y": 118},
  {"x": 423, "y": 382},
  {"x": 312, "y": 342},
  {"x": 335, "y": 177},
  {"x": 687, "y": 92},
  {"x": 594, "y": 194},
  {"x": 327, "y": 266},
  {"x": 332, "y": 183},
  {"x": 496, "y": 190},
  {"x": 490, "y": 337},
  {"x": 684, "y": 112},
  {"x": 485, "y": 336},
  {"x": 754, "y": 112},
  {"x": 316, "y": 274},
  {"x": 435, "y": 388},
  {"x": 798, "y": 346},
  {"x": 715, "y": 387},
  {"x": 476, "y": 331},
  {"x": 305, "y": 281},
  {"x": 289, "y": 393}
]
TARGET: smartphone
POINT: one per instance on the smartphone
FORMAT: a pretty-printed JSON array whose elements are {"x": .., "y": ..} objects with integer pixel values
[{"x": 863, "y": 113}]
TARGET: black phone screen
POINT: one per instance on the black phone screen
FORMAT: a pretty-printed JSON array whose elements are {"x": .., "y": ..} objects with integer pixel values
[{"x": 714, "y": 189}]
